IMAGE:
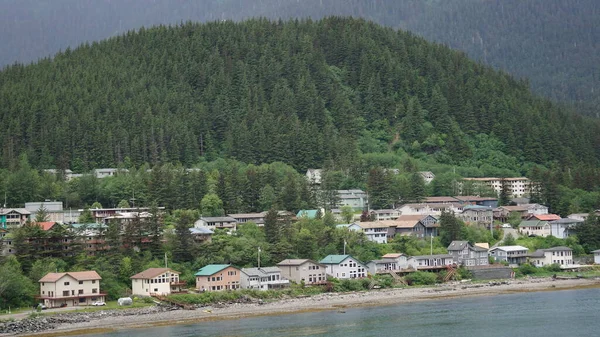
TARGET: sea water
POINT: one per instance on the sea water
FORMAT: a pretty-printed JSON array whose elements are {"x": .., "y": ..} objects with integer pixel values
[{"x": 565, "y": 313}]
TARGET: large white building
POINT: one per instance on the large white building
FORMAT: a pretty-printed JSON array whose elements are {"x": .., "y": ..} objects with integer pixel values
[
  {"x": 156, "y": 281},
  {"x": 70, "y": 289},
  {"x": 517, "y": 187},
  {"x": 344, "y": 267}
]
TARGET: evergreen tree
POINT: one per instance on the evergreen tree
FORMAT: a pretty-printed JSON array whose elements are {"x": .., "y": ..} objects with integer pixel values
[{"x": 451, "y": 228}]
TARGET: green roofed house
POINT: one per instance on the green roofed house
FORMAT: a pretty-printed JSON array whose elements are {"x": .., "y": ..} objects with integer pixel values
[
  {"x": 535, "y": 228},
  {"x": 218, "y": 277},
  {"x": 344, "y": 267},
  {"x": 308, "y": 213}
]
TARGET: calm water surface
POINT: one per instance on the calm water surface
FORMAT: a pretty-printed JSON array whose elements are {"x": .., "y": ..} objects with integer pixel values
[{"x": 542, "y": 314}]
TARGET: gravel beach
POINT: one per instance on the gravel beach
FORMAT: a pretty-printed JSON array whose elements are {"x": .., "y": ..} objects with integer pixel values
[{"x": 156, "y": 316}]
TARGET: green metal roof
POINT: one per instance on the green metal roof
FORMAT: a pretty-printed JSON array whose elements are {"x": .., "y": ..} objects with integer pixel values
[
  {"x": 211, "y": 269},
  {"x": 334, "y": 259},
  {"x": 528, "y": 223},
  {"x": 309, "y": 213}
]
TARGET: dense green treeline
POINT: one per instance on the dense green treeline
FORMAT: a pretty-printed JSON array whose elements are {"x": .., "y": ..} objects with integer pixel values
[
  {"x": 553, "y": 43},
  {"x": 301, "y": 92}
]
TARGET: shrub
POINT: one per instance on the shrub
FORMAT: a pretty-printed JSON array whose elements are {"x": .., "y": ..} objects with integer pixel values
[
  {"x": 421, "y": 278},
  {"x": 527, "y": 269},
  {"x": 553, "y": 268}
]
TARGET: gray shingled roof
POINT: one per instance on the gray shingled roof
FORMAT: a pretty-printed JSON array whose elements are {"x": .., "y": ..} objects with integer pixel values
[{"x": 261, "y": 272}]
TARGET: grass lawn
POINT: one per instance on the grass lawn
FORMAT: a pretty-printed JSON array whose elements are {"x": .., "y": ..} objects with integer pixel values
[{"x": 110, "y": 305}]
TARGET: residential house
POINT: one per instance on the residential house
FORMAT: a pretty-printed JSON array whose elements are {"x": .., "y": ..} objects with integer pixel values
[
  {"x": 68, "y": 174},
  {"x": 70, "y": 289},
  {"x": 357, "y": 199},
  {"x": 157, "y": 281},
  {"x": 428, "y": 176},
  {"x": 7, "y": 243},
  {"x": 310, "y": 213},
  {"x": 92, "y": 236},
  {"x": 516, "y": 187},
  {"x": 469, "y": 255},
  {"x": 596, "y": 256},
  {"x": 384, "y": 214},
  {"x": 99, "y": 214},
  {"x": 477, "y": 215},
  {"x": 314, "y": 176},
  {"x": 510, "y": 254},
  {"x": 502, "y": 213},
  {"x": 440, "y": 200},
  {"x": 421, "y": 226},
  {"x": 477, "y": 200},
  {"x": 376, "y": 231},
  {"x": 216, "y": 222},
  {"x": 563, "y": 228},
  {"x": 13, "y": 217},
  {"x": 388, "y": 262},
  {"x": 561, "y": 255},
  {"x": 201, "y": 235},
  {"x": 108, "y": 172},
  {"x": 434, "y": 209},
  {"x": 257, "y": 218},
  {"x": 304, "y": 271},
  {"x": 351, "y": 227},
  {"x": 428, "y": 261},
  {"x": 264, "y": 278},
  {"x": 218, "y": 277},
  {"x": 583, "y": 216},
  {"x": 534, "y": 228},
  {"x": 344, "y": 267},
  {"x": 544, "y": 217}
]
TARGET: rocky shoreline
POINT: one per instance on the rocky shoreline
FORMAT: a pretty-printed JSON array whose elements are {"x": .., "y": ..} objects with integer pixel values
[
  {"x": 41, "y": 323},
  {"x": 111, "y": 320}
]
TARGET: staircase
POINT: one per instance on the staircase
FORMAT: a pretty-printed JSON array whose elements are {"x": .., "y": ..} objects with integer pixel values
[
  {"x": 174, "y": 303},
  {"x": 451, "y": 273},
  {"x": 397, "y": 278}
]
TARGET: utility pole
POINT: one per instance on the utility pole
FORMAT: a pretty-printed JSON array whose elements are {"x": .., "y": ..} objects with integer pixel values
[
  {"x": 344, "y": 247},
  {"x": 258, "y": 257},
  {"x": 431, "y": 245},
  {"x": 166, "y": 262}
]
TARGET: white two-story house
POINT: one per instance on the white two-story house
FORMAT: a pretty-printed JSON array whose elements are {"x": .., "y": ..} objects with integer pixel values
[
  {"x": 265, "y": 278},
  {"x": 376, "y": 231},
  {"x": 344, "y": 267},
  {"x": 561, "y": 255},
  {"x": 70, "y": 289},
  {"x": 156, "y": 281}
]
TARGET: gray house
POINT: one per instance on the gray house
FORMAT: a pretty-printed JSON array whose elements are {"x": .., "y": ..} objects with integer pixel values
[
  {"x": 467, "y": 254},
  {"x": 510, "y": 254}
]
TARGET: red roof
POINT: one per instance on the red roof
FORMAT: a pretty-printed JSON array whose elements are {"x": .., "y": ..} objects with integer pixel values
[
  {"x": 547, "y": 217},
  {"x": 46, "y": 225}
]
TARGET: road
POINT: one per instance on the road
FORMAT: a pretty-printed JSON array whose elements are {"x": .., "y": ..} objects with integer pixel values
[{"x": 507, "y": 231}]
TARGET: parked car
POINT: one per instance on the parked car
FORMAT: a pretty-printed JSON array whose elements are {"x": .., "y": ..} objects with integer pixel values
[
  {"x": 41, "y": 307},
  {"x": 62, "y": 305},
  {"x": 98, "y": 303},
  {"x": 506, "y": 225}
]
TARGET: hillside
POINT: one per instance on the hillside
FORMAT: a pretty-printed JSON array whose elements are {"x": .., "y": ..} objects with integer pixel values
[
  {"x": 553, "y": 43},
  {"x": 302, "y": 92}
]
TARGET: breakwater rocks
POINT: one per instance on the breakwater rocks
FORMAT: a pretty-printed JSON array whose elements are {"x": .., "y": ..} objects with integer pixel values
[{"x": 49, "y": 322}]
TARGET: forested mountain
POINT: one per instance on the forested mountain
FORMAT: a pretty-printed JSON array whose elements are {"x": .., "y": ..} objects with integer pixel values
[
  {"x": 305, "y": 93},
  {"x": 554, "y": 43}
]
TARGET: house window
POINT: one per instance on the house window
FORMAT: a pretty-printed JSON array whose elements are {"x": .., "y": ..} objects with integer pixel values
[
  {"x": 66, "y": 283},
  {"x": 155, "y": 290},
  {"x": 80, "y": 292},
  {"x": 95, "y": 291},
  {"x": 80, "y": 282}
]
